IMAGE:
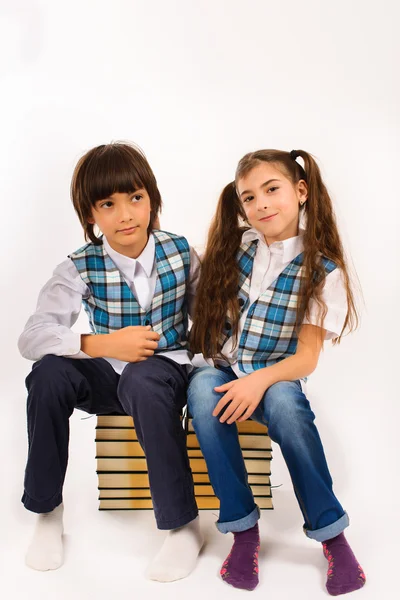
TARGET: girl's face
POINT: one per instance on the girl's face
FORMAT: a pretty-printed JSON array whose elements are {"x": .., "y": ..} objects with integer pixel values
[
  {"x": 123, "y": 219},
  {"x": 271, "y": 201}
]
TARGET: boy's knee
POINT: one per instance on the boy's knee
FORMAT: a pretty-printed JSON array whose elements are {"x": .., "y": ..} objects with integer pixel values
[{"x": 48, "y": 369}]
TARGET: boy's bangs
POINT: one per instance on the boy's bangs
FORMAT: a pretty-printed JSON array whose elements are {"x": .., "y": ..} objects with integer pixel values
[{"x": 111, "y": 173}]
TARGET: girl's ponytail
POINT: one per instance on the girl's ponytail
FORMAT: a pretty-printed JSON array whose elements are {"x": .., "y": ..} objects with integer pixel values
[
  {"x": 216, "y": 294},
  {"x": 321, "y": 237}
]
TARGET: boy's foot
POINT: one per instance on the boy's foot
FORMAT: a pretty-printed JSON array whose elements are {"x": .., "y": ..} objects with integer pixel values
[
  {"x": 178, "y": 555},
  {"x": 46, "y": 549}
]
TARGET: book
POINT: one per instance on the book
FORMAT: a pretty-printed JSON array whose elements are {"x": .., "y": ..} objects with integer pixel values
[
  {"x": 123, "y": 421},
  {"x": 119, "y": 448},
  {"x": 141, "y": 480},
  {"x": 197, "y": 465},
  {"x": 248, "y": 426},
  {"x": 122, "y": 468},
  {"x": 116, "y": 434},
  {"x": 114, "y": 421},
  {"x": 248, "y": 441},
  {"x": 131, "y": 448},
  {"x": 203, "y": 502},
  {"x": 202, "y": 489}
]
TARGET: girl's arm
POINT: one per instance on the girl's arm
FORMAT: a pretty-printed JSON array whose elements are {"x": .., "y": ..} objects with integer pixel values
[
  {"x": 301, "y": 364},
  {"x": 245, "y": 394}
]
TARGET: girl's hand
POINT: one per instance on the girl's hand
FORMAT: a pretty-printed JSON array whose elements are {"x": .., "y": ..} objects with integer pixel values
[{"x": 244, "y": 395}]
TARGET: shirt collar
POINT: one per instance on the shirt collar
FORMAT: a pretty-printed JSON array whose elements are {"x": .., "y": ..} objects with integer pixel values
[
  {"x": 287, "y": 249},
  {"x": 127, "y": 264}
]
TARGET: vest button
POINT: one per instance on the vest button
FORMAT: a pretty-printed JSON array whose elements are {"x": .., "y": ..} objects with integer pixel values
[
  {"x": 147, "y": 322},
  {"x": 228, "y": 326},
  {"x": 241, "y": 302}
]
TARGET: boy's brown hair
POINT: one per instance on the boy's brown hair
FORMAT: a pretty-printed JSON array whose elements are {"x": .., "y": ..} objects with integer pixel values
[{"x": 117, "y": 167}]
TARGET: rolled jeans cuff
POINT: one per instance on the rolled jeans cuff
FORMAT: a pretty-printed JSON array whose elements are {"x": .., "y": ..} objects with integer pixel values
[
  {"x": 241, "y": 524},
  {"x": 330, "y": 531}
]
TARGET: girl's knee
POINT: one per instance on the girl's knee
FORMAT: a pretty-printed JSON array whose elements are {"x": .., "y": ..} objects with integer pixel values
[
  {"x": 285, "y": 401},
  {"x": 202, "y": 398}
]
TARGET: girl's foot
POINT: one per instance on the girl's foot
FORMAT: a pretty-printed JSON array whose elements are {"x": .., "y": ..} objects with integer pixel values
[
  {"x": 240, "y": 569},
  {"x": 344, "y": 573}
]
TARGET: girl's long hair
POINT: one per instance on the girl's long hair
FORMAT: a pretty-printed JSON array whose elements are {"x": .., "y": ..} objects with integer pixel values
[{"x": 217, "y": 292}]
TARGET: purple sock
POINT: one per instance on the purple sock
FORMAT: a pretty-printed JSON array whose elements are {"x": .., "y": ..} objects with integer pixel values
[
  {"x": 344, "y": 573},
  {"x": 240, "y": 568}
]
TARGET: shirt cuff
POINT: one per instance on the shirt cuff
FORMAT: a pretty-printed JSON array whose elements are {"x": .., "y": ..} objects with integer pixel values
[{"x": 72, "y": 346}]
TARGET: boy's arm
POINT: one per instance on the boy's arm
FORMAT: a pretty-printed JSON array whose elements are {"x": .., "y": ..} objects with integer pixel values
[
  {"x": 48, "y": 330},
  {"x": 195, "y": 266}
]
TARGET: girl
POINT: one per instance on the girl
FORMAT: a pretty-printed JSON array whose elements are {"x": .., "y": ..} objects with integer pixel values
[
  {"x": 135, "y": 283},
  {"x": 268, "y": 296}
]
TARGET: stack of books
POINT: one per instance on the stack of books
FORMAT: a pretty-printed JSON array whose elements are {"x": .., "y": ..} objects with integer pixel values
[{"x": 122, "y": 469}]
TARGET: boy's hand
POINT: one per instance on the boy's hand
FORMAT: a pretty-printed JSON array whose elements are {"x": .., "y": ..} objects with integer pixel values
[{"x": 130, "y": 344}]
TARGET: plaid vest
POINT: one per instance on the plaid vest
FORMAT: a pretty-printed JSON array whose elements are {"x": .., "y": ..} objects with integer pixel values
[
  {"x": 111, "y": 304},
  {"x": 268, "y": 334}
]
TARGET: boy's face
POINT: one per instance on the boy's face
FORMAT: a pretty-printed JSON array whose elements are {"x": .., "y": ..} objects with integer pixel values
[{"x": 123, "y": 219}]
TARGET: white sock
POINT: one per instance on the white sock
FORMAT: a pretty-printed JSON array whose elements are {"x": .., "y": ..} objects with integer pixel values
[
  {"x": 46, "y": 549},
  {"x": 178, "y": 554}
]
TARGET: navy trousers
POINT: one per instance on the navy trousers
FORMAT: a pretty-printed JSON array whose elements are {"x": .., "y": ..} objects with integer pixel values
[{"x": 153, "y": 392}]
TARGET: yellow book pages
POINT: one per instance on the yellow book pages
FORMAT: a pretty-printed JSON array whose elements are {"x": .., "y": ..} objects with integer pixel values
[
  {"x": 141, "y": 480},
  {"x": 259, "y": 479},
  {"x": 267, "y": 454},
  {"x": 199, "y": 490},
  {"x": 243, "y": 427},
  {"x": 211, "y": 502},
  {"x": 105, "y": 449},
  {"x": 198, "y": 465},
  {"x": 121, "y": 464},
  {"x": 123, "y": 480},
  {"x": 207, "y": 490},
  {"x": 121, "y": 448},
  {"x": 253, "y": 465},
  {"x": 126, "y": 504},
  {"x": 122, "y": 434},
  {"x": 248, "y": 441},
  {"x": 111, "y": 421},
  {"x": 204, "y": 503},
  {"x": 125, "y": 493},
  {"x": 250, "y": 426},
  {"x": 114, "y": 421}
]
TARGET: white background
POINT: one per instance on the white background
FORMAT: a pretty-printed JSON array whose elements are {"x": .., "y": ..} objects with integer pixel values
[{"x": 197, "y": 85}]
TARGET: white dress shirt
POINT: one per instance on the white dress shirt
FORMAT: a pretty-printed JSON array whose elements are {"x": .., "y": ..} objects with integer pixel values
[
  {"x": 48, "y": 330},
  {"x": 269, "y": 262}
]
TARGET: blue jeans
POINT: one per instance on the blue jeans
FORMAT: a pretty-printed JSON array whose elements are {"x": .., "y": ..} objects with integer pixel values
[{"x": 286, "y": 411}]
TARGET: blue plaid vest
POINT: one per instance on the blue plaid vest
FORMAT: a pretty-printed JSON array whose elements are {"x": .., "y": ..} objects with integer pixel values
[
  {"x": 111, "y": 304},
  {"x": 268, "y": 334}
]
